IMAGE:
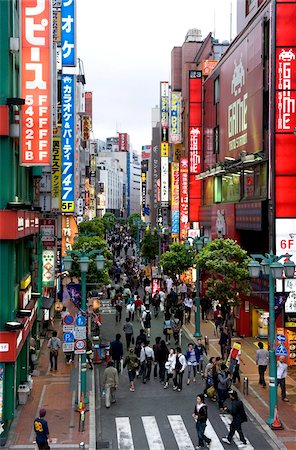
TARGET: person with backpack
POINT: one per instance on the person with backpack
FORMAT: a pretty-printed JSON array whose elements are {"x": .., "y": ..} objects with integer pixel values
[
  {"x": 146, "y": 360},
  {"x": 54, "y": 344},
  {"x": 179, "y": 370},
  {"x": 200, "y": 416},
  {"x": 239, "y": 416},
  {"x": 176, "y": 327},
  {"x": 132, "y": 363}
]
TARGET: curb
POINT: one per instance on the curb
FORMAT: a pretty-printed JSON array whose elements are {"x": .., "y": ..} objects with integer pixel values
[{"x": 273, "y": 440}]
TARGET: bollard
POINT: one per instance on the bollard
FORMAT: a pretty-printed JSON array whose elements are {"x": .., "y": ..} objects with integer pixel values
[
  {"x": 207, "y": 344},
  {"x": 246, "y": 386}
]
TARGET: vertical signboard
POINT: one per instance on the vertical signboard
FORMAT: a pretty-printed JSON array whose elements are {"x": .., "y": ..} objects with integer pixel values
[
  {"x": 195, "y": 133},
  {"x": 56, "y": 170},
  {"x": 164, "y": 146},
  {"x": 68, "y": 33},
  {"x": 175, "y": 118},
  {"x": 123, "y": 142},
  {"x": 2, "y": 366},
  {"x": 68, "y": 142},
  {"x": 184, "y": 219},
  {"x": 35, "y": 82},
  {"x": 128, "y": 174},
  {"x": 175, "y": 198}
]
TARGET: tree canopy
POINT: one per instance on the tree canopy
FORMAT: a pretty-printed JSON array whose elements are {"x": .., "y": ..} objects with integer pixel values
[
  {"x": 94, "y": 227},
  {"x": 109, "y": 221},
  {"x": 150, "y": 245},
  {"x": 226, "y": 263},
  {"x": 177, "y": 260}
]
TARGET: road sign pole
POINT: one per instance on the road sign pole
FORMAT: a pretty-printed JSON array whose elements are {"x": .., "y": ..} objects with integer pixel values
[
  {"x": 272, "y": 357},
  {"x": 79, "y": 380},
  {"x": 83, "y": 358}
]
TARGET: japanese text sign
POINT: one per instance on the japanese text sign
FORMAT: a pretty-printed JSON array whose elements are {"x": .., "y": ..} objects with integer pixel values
[{"x": 68, "y": 33}]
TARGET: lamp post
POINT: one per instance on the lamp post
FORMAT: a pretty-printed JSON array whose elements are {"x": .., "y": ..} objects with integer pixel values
[
  {"x": 83, "y": 260},
  {"x": 271, "y": 266},
  {"x": 197, "y": 244}
]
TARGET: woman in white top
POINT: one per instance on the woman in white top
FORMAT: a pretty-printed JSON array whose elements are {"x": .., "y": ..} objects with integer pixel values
[{"x": 170, "y": 367}]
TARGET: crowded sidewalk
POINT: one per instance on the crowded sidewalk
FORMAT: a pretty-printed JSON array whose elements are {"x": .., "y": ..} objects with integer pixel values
[
  {"x": 257, "y": 399},
  {"x": 54, "y": 391}
]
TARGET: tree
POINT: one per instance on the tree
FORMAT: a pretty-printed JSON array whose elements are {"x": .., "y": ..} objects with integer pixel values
[
  {"x": 133, "y": 219},
  {"x": 84, "y": 245},
  {"x": 109, "y": 220},
  {"x": 94, "y": 227},
  {"x": 177, "y": 260},
  {"x": 150, "y": 245},
  {"x": 226, "y": 263}
]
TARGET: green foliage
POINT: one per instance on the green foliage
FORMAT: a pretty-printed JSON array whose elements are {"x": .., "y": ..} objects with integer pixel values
[
  {"x": 177, "y": 260},
  {"x": 133, "y": 219},
  {"x": 150, "y": 245},
  {"x": 95, "y": 227},
  {"x": 226, "y": 263},
  {"x": 84, "y": 245},
  {"x": 109, "y": 220}
]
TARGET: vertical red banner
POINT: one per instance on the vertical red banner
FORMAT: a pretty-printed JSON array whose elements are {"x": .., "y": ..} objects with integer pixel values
[{"x": 184, "y": 224}]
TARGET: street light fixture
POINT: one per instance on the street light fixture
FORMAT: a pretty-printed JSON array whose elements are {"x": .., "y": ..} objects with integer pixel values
[
  {"x": 84, "y": 259},
  {"x": 197, "y": 243},
  {"x": 271, "y": 266}
]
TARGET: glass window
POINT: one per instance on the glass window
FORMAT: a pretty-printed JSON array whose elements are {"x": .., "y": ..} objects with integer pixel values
[
  {"x": 231, "y": 187},
  {"x": 217, "y": 90},
  {"x": 217, "y": 140},
  {"x": 208, "y": 191}
]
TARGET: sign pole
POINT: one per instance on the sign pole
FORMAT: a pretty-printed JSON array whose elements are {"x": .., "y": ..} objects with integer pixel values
[{"x": 79, "y": 380}]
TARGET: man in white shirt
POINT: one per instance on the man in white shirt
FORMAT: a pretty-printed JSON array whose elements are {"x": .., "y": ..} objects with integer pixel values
[
  {"x": 183, "y": 290},
  {"x": 146, "y": 359},
  {"x": 179, "y": 370},
  {"x": 188, "y": 303},
  {"x": 281, "y": 374},
  {"x": 169, "y": 284}
]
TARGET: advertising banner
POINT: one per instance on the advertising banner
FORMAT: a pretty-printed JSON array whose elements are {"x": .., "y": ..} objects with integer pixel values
[
  {"x": 175, "y": 198},
  {"x": 48, "y": 264},
  {"x": 35, "y": 83},
  {"x": 164, "y": 187},
  {"x": 184, "y": 224},
  {"x": 56, "y": 171},
  {"x": 175, "y": 118},
  {"x": 68, "y": 33},
  {"x": 68, "y": 142},
  {"x": 164, "y": 146}
]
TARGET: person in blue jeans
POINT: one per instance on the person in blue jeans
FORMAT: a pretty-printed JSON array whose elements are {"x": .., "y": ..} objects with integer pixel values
[
  {"x": 200, "y": 415},
  {"x": 224, "y": 383},
  {"x": 41, "y": 430}
]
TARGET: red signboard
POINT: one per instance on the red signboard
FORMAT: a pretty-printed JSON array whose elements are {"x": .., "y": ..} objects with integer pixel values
[
  {"x": 184, "y": 224},
  {"x": 18, "y": 224},
  {"x": 123, "y": 142},
  {"x": 35, "y": 86}
]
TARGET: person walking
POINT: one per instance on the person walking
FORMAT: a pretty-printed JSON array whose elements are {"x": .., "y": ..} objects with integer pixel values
[
  {"x": 262, "y": 360},
  {"x": 89, "y": 353},
  {"x": 176, "y": 327},
  {"x": 140, "y": 341},
  {"x": 224, "y": 382},
  {"x": 170, "y": 367},
  {"x": 179, "y": 370},
  {"x": 223, "y": 343},
  {"x": 200, "y": 416},
  {"x": 118, "y": 308},
  {"x": 146, "y": 360},
  {"x": 110, "y": 383},
  {"x": 188, "y": 305},
  {"x": 281, "y": 375},
  {"x": 116, "y": 351},
  {"x": 156, "y": 303},
  {"x": 202, "y": 351},
  {"x": 167, "y": 328},
  {"x": 41, "y": 430},
  {"x": 54, "y": 344},
  {"x": 192, "y": 358},
  {"x": 209, "y": 375},
  {"x": 146, "y": 321},
  {"x": 156, "y": 349},
  {"x": 132, "y": 363},
  {"x": 129, "y": 332},
  {"x": 162, "y": 358},
  {"x": 239, "y": 416}
]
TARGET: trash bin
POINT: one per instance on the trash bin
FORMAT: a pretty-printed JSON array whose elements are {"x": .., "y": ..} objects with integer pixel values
[{"x": 23, "y": 393}]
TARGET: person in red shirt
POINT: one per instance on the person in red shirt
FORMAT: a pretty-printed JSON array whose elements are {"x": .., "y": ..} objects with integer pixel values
[{"x": 138, "y": 306}]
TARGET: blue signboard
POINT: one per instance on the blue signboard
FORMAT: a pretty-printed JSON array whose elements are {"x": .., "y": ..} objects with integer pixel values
[
  {"x": 175, "y": 222},
  {"x": 68, "y": 319},
  {"x": 281, "y": 351},
  {"x": 80, "y": 321},
  {"x": 68, "y": 337},
  {"x": 68, "y": 143},
  {"x": 68, "y": 33},
  {"x": 281, "y": 337}
]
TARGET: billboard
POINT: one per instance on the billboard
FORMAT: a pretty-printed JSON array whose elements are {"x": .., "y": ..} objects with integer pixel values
[
  {"x": 164, "y": 146},
  {"x": 195, "y": 142},
  {"x": 56, "y": 171},
  {"x": 35, "y": 83},
  {"x": 175, "y": 198},
  {"x": 123, "y": 142},
  {"x": 175, "y": 118},
  {"x": 68, "y": 33},
  {"x": 68, "y": 142},
  {"x": 184, "y": 218}
]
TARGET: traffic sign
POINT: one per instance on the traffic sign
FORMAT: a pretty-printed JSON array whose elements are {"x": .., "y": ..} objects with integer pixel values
[
  {"x": 68, "y": 328},
  {"x": 68, "y": 347},
  {"x": 80, "y": 320},
  {"x": 80, "y": 346},
  {"x": 68, "y": 319},
  {"x": 68, "y": 337},
  {"x": 80, "y": 332},
  {"x": 281, "y": 337},
  {"x": 281, "y": 351}
]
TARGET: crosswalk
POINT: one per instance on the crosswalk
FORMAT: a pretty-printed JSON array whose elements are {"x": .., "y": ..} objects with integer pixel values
[{"x": 182, "y": 437}]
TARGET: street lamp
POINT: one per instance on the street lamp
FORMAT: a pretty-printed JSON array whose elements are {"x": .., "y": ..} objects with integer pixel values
[
  {"x": 83, "y": 260},
  {"x": 197, "y": 243},
  {"x": 271, "y": 266}
]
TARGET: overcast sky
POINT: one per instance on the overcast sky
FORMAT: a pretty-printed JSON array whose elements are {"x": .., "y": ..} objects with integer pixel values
[{"x": 126, "y": 49}]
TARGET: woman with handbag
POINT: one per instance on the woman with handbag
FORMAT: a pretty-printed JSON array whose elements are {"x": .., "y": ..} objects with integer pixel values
[{"x": 132, "y": 363}]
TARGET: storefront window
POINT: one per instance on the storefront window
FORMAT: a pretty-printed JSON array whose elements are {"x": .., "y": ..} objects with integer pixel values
[
  {"x": 208, "y": 191},
  {"x": 255, "y": 182},
  {"x": 231, "y": 187}
]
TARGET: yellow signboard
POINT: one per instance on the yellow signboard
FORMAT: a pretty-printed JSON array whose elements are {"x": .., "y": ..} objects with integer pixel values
[{"x": 164, "y": 149}]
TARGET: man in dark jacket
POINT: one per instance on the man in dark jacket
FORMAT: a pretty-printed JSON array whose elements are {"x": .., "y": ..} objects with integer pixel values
[
  {"x": 116, "y": 351},
  {"x": 238, "y": 417}
]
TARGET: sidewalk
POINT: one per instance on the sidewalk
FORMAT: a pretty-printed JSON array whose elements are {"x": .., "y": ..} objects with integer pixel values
[
  {"x": 53, "y": 391},
  {"x": 258, "y": 398}
]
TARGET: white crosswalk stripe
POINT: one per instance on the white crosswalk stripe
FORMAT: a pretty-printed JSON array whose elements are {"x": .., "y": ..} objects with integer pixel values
[
  {"x": 211, "y": 433},
  {"x": 152, "y": 433},
  {"x": 227, "y": 420},
  {"x": 124, "y": 433},
  {"x": 181, "y": 434}
]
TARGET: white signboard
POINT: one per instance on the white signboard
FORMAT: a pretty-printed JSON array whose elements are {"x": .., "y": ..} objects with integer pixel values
[
  {"x": 68, "y": 328},
  {"x": 68, "y": 347},
  {"x": 80, "y": 332},
  {"x": 164, "y": 187}
]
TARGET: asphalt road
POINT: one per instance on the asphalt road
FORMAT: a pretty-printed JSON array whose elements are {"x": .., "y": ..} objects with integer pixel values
[{"x": 157, "y": 419}]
